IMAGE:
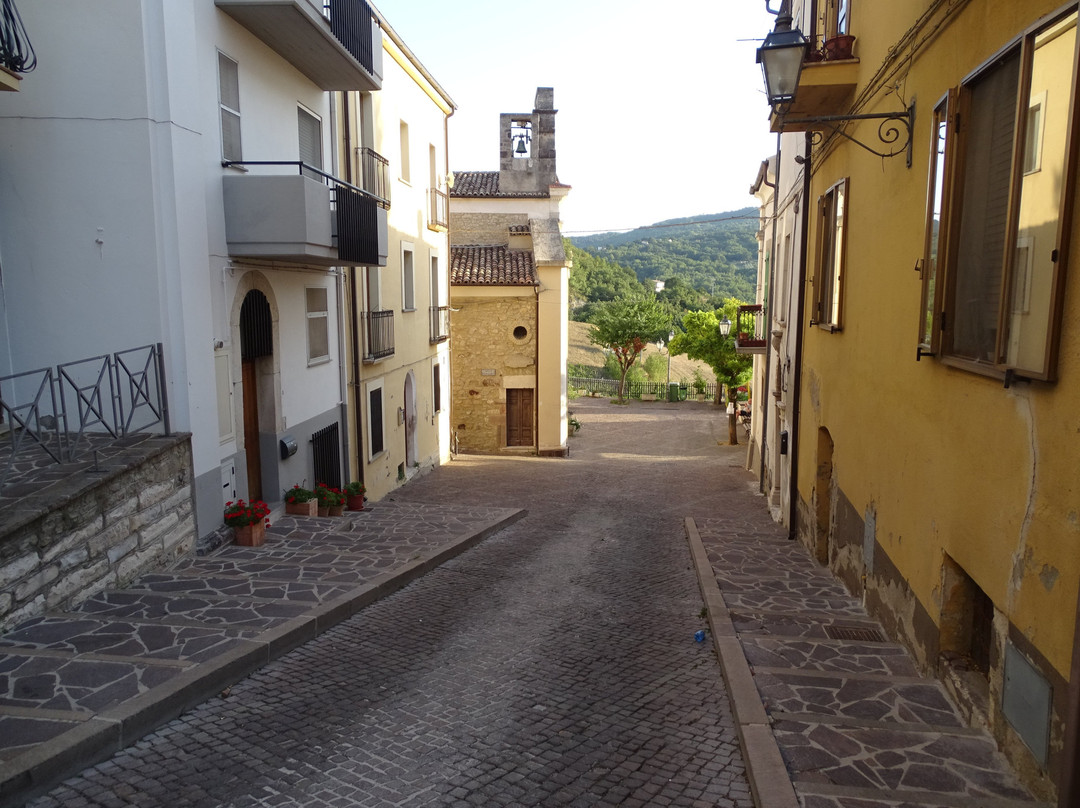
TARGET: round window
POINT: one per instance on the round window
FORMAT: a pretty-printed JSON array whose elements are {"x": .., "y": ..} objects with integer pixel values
[{"x": 521, "y": 332}]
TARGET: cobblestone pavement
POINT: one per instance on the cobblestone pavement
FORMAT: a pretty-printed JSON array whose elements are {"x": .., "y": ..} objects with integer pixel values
[{"x": 553, "y": 664}]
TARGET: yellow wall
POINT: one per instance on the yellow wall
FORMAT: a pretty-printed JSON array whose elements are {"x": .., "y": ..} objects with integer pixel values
[{"x": 946, "y": 461}]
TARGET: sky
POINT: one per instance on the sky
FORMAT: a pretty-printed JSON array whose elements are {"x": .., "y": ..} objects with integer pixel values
[{"x": 661, "y": 107}]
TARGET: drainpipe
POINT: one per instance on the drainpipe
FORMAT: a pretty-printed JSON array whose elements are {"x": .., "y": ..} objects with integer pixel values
[
  {"x": 358, "y": 420},
  {"x": 775, "y": 185},
  {"x": 339, "y": 284},
  {"x": 796, "y": 397}
]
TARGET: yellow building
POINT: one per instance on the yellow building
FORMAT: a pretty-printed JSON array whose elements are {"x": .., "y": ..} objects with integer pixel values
[
  {"x": 937, "y": 434},
  {"x": 393, "y": 145},
  {"x": 509, "y": 294}
]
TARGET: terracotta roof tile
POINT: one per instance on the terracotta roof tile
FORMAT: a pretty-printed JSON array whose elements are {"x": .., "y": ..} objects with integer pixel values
[
  {"x": 491, "y": 266},
  {"x": 486, "y": 183}
]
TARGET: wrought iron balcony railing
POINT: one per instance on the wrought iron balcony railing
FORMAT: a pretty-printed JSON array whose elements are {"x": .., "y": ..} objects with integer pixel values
[
  {"x": 438, "y": 210},
  {"x": 374, "y": 174},
  {"x": 440, "y": 323},
  {"x": 379, "y": 335},
  {"x": 351, "y": 23},
  {"x": 750, "y": 330}
]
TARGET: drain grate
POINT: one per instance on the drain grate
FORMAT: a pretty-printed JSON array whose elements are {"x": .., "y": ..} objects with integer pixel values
[{"x": 854, "y": 633}]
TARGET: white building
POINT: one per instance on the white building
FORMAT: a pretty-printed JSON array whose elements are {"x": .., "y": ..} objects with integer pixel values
[{"x": 152, "y": 192}]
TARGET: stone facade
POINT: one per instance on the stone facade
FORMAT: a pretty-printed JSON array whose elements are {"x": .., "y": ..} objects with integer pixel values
[
  {"x": 489, "y": 228},
  {"x": 487, "y": 359},
  {"x": 101, "y": 533}
]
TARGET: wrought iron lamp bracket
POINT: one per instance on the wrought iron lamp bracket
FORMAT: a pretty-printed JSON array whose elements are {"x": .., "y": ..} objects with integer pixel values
[{"x": 895, "y": 128}]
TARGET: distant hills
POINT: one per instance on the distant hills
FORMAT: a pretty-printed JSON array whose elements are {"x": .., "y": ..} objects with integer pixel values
[{"x": 716, "y": 253}]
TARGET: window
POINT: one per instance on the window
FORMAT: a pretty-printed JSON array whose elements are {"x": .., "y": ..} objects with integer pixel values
[
  {"x": 1033, "y": 137},
  {"x": 229, "y": 101},
  {"x": 829, "y": 18},
  {"x": 436, "y": 297},
  {"x": 1004, "y": 170},
  {"x": 406, "y": 173},
  {"x": 436, "y": 387},
  {"x": 929, "y": 327},
  {"x": 318, "y": 329},
  {"x": 309, "y": 132},
  {"x": 408, "y": 280},
  {"x": 375, "y": 419},
  {"x": 829, "y": 277},
  {"x": 374, "y": 289}
]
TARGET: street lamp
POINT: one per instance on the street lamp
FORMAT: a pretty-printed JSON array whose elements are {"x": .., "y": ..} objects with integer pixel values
[
  {"x": 781, "y": 57},
  {"x": 725, "y": 326}
]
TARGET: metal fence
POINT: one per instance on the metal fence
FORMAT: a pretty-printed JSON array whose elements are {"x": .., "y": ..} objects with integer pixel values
[
  {"x": 56, "y": 411},
  {"x": 610, "y": 387}
]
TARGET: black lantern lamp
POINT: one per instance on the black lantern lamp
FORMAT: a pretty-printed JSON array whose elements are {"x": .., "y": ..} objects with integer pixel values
[
  {"x": 781, "y": 57},
  {"x": 725, "y": 327}
]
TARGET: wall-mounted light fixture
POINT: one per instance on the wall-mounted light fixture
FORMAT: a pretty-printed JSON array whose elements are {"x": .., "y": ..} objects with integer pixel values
[{"x": 781, "y": 57}]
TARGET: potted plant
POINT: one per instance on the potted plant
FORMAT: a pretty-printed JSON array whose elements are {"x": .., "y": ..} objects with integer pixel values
[
  {"x": 248, "y": 521},
  {"x": 301, "y": 501},
  {"x": 354, "y": 495},
  {"x": 700, "y": 385},
  {"x": 331, "y": 500},
  {"x": 839, "y": 47}
]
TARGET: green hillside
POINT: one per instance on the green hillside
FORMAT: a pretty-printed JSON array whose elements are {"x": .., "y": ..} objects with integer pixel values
[{"x": 715, "y": 254}]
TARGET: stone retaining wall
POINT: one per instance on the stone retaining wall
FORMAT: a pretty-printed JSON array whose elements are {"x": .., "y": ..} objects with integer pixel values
[{"x": 97, "y": 531}]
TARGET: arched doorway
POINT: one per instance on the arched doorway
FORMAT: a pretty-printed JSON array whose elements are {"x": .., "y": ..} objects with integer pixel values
[
  {"x": 410, "y": 421},
  {"x": 256, "y": 351}
]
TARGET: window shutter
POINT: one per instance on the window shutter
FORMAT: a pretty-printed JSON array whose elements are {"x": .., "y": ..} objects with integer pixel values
[
  {"x": 309, "y": 131},
  {"x": 229, "y": 98}
]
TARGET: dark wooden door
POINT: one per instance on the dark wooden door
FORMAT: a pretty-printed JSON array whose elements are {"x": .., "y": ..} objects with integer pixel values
[
  {"x": 519, "y": 417},
  {"x": 251, "y": 429}
]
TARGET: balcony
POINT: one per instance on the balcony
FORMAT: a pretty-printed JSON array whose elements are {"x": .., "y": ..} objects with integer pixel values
[
  {"x": 438, "y": 210},
  {"x": 338, "y": 45},
  {"x": 750, "y": 335},
  {"x": 440, "y": 323},
  {"x": 378, "y": 335},
  {"x": 825, "y": 88},
  {"x": 374, "y": 172},
  {"x": 298, "y": 214}
]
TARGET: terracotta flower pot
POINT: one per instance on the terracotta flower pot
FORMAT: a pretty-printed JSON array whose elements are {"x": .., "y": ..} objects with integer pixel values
[
  {"x": 309, "y": 508},
  {"x": 324, "y": 511},
  {"x": 250, "y": 535},
  {"x": 839, "y": 47},
  {"x": 355, "y": 502},
  {"x": 336, "y": 510}
]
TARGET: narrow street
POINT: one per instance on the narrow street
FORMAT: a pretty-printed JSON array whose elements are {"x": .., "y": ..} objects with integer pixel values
[{"x": 554, "y": 664}]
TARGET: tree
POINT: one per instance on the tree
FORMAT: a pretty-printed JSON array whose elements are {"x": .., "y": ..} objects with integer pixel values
[
  {"x": 625, "y": 325},
  {"x": 702, "y": 340}
]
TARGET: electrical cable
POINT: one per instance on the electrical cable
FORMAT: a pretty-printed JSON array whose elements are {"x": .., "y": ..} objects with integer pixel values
[{"x": 16, "y": 52}]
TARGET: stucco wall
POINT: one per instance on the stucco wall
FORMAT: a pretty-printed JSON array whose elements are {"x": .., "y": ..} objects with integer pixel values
[{"x": 949, "y": 462}]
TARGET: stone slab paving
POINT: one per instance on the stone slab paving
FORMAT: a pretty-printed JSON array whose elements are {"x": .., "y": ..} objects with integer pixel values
[
  {"x": 77, "y": 686},
  {"x": 855, "y": 723}
]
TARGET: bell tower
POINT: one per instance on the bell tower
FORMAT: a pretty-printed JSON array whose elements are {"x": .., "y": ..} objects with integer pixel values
[{"x": 527, "y": 146}]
